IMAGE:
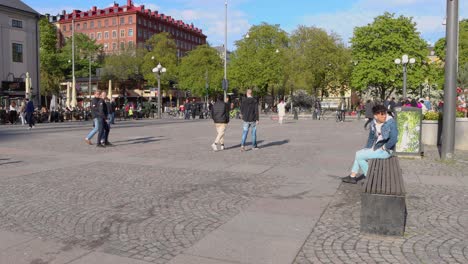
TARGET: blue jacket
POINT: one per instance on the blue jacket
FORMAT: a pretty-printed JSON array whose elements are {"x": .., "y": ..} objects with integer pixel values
[
  {"x": 30, "y": 107},
  {"x": 389, "y": 136}
]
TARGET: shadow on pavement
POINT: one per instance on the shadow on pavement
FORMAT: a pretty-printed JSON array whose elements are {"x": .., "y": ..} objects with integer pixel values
[
  {"x": 142, "y": 140},
  {"x": 10, "y": 162}
]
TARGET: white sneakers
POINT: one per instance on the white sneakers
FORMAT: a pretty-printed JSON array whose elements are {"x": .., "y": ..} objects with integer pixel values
[
  {"x": 213, "y": 146},
  {"x": 221, "y": 147}
]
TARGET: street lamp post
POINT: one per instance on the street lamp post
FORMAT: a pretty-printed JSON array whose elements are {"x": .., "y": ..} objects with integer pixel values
[
  {"x": 158, "y": 70},
  {"x": 225, "y": 81},
  {"x": 404, "y": 62}
]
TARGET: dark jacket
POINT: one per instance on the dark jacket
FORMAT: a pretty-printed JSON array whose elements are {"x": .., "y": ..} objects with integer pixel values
[
  {"x": 111, "y": 107},
  {"x": 30, "y": 107},
  {"x": 368, "y": 109},
  {"x": 249, "y": 109},
  {"x": 220, "y": 112},
  {"x": 389, "y": 132},
  {"x": 97, "y": 108}
]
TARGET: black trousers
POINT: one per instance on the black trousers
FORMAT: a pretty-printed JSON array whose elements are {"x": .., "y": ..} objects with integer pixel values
[
  {"x": 104, "y": 132},
  {"x": 30, "y": 119}
]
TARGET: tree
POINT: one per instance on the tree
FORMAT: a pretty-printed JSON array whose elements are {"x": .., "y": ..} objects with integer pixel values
[
  {"x": 318, "y": 61},
  {"x": 123, "y": 66},
  {"x": 84, "y": 49},
  {"x": 377, "y": 45},
  {"x": 256, "y": 64},
  {"x": 49, "y": 59},
  {"x": 163, "y": 49},
  {"x": 202, "y": 66}
]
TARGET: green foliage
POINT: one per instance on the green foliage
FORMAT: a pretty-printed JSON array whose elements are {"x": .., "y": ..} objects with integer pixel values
[
  {"x": 463, "y": 76},
  {"x": 50, "y": 74},
  {"x": 163, "y": 49},
  {"x": 256, "y": 64},
  {"x": 85, "y": 48},
  {"x": 432, "y": 115},
  {"x": 408, "y": 123},
  {"x": 377, "y": 45},
  {"x": 202, "y": 66},
  {"x": 318, "y": 61},
  {"x": 124, "y": 66},
  {"x": 460, "y": 114}
]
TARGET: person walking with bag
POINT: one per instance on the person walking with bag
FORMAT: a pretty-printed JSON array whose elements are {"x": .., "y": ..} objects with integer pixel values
[
  {"x": 281, "y": 111},
  {"x": 220, "y": 114}
]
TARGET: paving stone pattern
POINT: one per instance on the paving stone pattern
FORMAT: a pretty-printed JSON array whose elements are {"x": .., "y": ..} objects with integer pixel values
[{"x": 436, "y": 231}]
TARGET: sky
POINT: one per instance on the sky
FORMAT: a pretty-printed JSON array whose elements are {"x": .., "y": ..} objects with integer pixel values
[{"x": 338, "y": 16}]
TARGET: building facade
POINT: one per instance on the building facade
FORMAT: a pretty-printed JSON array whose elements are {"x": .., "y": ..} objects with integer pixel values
[
  {"x": 120, "y": 27},
  {"x": 19, "y": 55}
]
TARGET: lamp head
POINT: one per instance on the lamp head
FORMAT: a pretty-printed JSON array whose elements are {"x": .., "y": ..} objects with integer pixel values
[
  {"x": 397, "y": 61},
  {"x": 405, "y": 58},
  {"x": 412, "y": 60},
  {"x": 163, "y": 70}
]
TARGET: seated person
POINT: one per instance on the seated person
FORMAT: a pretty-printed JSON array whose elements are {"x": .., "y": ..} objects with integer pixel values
[{"x": 383, "y": 137}]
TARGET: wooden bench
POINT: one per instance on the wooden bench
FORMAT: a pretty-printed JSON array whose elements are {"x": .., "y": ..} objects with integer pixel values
[{"x": 383, "y": 205}]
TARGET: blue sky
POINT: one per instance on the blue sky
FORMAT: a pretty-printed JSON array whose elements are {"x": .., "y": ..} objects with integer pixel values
[{"x": 339, "y": 16}]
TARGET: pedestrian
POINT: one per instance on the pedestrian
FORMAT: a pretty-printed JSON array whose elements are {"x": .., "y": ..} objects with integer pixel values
[
  {"x": 383, "y": 136},
  {"x": 193, "y": 108},
  {"x": 23, "y": 112},
  {"x": 342, "y": 109},
  {"x": 220, "y": 115},
  {"x": 111, "y": 108},
  {"x": 423, "y": 106},
  {"x": 187, "y": 109},
  {"x": 30, "y": 113},
  {"x": 428, "y": 103},
  {"x": 281, "y": 111},
  {"x": 106, "y": 121},
  {"x": 250, "y": 117},
  {"x": 368, "y": 112},
  {"x": 318, "y": 109},
  {"x": 97, "y": 105},
  {"x": 13, "y": 113}
]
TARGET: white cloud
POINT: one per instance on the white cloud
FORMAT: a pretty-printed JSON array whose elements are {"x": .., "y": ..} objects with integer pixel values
[{"x": 428, "y": 15}]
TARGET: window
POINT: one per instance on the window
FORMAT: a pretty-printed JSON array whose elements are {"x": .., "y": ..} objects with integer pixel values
[
  {"x": 122, "y": 33},
  {"x": 106, "y": 46},
  {"x": 16, "y": 23},
  {"x": 139, "y": 21},
  {"x": 130, "y": 20},
  {"x": 144, "y": 22},
  {"x": 114, "y": 46},
  {"x": 70, "y": 27},
  {"x": 106, "y": 22},
  {"x": 122, "y": 20},
  {"x": 114, "y": 34},
  {"x": 140, "y": 33},
  {"x": 106, "y": 35},
  {"x": 64, "y": 28},
  {"x": 91, "y": 35},
  {"x": 122, "y": 45},
  {"x": 17, "y": 52},
  {"x": 91, "y": 24},
  {"x": 144, "y": 34},
  {"x": 99, "y": 35},
  {"x": 130, "y": 32},
  {"x": 78, "y": 26},
  {"x": 99, "y": 24},
  {"x": 130, "y": 44},
  {"x": 114, "y": 21}
]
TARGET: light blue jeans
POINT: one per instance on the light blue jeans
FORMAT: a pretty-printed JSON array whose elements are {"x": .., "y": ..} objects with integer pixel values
[
  {"x": 360, "y": 161},
  {"x": 246, "y": 126},
  {"x": 97, "y": 126}
]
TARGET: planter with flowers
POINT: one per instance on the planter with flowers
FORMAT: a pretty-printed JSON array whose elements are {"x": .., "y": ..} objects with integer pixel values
[{"x": 432, "y": 128}]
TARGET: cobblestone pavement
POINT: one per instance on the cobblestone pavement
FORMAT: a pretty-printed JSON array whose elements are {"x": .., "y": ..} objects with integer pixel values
[
  {"x": 437, "y": 223},
  {"x": 161, "y": 190}
]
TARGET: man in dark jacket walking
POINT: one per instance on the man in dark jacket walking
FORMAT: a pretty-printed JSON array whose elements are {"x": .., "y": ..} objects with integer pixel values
[
  {"x": 30, "y": 113},
  {"x": 220, "y": 114},
  {"x": 369, "y": 115},
  {"x": 249, "y": 111},
  {"x": 97, "y": 109}
]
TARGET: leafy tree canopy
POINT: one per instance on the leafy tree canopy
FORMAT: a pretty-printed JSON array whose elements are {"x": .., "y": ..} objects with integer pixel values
[
  {"x": 255, "y": 63},
  {"x": 201, "y": 67},
  {"x": 377, "y": 45}
]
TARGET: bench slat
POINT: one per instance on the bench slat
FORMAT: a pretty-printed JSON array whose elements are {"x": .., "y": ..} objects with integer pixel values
[
  {"x": 392, "y": 178},
  {"x": 370, "y": 177},
  {"x": 382, "y": 176},
  {"x": 399, "y": 174},
  {"x": 385, "y": 178},
  {"x": 376, "y": 176}
]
